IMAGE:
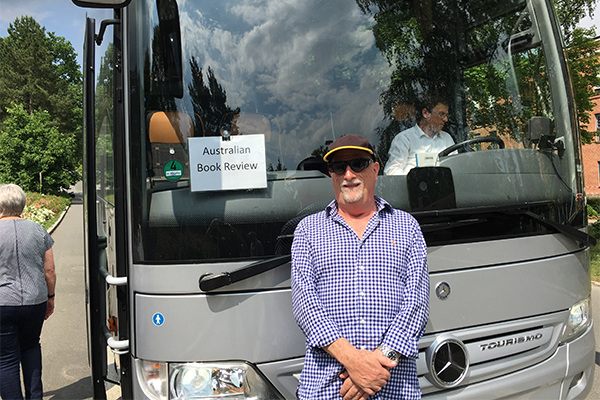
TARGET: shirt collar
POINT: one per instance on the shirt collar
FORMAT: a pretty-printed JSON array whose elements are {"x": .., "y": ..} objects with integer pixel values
[
  {"x": 422, "y": 133},
  {"x": 382, "y": 206}
]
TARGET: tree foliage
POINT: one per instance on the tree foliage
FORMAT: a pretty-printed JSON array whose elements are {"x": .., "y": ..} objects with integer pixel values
[
  {"x": 582, "y": 52},
  {"x": 209, "y": 100},
  {"x": 36, "y": 155},
  {"x": 585, "y": 72},
  {"x": 39, "y": 72}
]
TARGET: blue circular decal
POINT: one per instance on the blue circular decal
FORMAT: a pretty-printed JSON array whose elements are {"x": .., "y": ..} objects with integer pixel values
[{"x": 158, "y": 319}]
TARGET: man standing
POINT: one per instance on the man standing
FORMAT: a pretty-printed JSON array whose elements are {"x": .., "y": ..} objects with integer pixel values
[
  {"x": 426, "y": 136},
  {"x": 360, "y": 287}
]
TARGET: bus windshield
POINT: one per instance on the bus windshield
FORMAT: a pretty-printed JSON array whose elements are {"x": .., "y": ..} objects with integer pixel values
[{"x": 236, "y": 103}]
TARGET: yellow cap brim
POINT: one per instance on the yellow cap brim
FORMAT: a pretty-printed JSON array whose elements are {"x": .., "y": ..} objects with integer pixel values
[{"x": 326, "y": 156}]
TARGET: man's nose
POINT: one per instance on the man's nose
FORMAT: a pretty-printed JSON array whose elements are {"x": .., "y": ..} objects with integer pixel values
[{"x": 349, "y": 172}]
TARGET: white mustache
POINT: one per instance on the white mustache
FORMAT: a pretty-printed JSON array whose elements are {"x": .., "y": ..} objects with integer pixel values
[{"x": 350, "y": 182}]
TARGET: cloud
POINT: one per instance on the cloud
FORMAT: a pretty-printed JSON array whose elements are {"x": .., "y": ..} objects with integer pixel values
[
  {"x": 38, "y": 9},
  {"x": 303, "y": 63}
]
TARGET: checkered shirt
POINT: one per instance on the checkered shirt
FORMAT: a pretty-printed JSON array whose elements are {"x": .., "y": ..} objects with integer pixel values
[{"x": 369, "y": 291}]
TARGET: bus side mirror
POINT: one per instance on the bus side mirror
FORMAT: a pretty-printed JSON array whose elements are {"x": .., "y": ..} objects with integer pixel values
[{"x": 540, "y": 131}]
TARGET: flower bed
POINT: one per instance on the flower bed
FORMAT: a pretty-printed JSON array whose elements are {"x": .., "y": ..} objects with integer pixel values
[{"x": 45, "y": 209}]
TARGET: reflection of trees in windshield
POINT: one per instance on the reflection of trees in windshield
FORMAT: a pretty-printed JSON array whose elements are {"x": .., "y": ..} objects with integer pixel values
[
  {"x": 415, "y": 37},
  {"x": 480, "y": 56},
  {"x": 209, "y": 99}
]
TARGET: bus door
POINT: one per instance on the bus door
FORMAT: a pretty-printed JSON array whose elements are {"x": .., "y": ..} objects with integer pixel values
[{"x": 106, "y": 294}]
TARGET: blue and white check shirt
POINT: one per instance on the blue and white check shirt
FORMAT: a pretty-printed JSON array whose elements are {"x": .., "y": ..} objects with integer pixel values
[{"x": 369, "y": 291}]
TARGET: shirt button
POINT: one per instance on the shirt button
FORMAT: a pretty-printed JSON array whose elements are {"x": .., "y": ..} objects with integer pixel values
[
  {"x": 362, "y": 293},
  {"x": 362, "y": 347},
  {"x": 362, "y": 321},
  {"x": 361, "y": 268}
]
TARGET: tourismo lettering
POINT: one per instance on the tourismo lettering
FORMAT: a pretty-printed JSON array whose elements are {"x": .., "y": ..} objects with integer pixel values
[
  {"x": 225, "y": 150},
  {"x": 239, "y": 167}
]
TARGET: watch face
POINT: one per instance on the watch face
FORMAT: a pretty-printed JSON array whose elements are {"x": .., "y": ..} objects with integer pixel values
[
  {"x": 392, "y": 355},
  {"x": 389, "y": 353}
]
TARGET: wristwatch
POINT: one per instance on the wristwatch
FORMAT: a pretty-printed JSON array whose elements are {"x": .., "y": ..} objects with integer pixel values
[{"x": 389, "y": 352}]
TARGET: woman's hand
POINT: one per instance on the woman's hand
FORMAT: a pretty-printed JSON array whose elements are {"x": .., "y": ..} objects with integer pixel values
[{"x": 49, "y": 308}]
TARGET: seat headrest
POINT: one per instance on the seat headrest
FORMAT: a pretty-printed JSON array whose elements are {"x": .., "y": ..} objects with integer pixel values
[{"x": 169, "y": 127}]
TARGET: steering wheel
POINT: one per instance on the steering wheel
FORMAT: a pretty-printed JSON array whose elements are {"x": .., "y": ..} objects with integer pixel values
[{"x": 482, "y": 139}]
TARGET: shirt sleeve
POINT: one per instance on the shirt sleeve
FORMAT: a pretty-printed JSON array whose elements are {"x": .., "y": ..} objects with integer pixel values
[
  {"x": 319, "y": 329},
  {"x": 48, "y": 240},
  {"x": 409, "y": 324},
  {"x": 398, "y": 156}
]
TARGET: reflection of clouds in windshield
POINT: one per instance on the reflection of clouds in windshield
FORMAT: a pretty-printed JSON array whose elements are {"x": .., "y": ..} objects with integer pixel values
[{"x": 303, "y": 62}]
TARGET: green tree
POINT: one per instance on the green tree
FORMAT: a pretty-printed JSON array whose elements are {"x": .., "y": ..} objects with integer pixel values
[
  {"x": 581, "y": 48},
  {"x": 36, "y": 155},
  {"x": 67, "y": 96},
  {"x": 39, "y": 71},
  {"x": 571, "y": 12},
  {"x": 25, "y": 67},
  {"x": 585, "y": 72}
]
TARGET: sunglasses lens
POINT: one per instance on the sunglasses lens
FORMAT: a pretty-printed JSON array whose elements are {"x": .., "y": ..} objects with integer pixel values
[
  {"x": 357, "y": 165},
  {"x": 338, "y": 167}
]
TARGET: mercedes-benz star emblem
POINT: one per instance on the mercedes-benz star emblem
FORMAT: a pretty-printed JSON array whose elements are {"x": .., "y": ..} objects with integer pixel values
[
  {"x": 442, "y": 290},
  {"x": 448, "y": 362}
]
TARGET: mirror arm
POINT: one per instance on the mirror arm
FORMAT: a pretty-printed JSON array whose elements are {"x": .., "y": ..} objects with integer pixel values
[{"x": 100, "y": 36}]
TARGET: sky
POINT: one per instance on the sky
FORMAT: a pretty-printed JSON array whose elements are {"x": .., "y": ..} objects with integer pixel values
[
  {"x": 65, "y": 19},
  {"x": 59, "y": 16}
]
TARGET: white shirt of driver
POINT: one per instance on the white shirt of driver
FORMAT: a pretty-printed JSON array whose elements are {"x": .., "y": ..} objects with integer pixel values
[{"x": 410, "y": 142}]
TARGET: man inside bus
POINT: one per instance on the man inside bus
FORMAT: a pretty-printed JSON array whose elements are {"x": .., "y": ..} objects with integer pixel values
[
  {"x": 360, "y": 287},
  {"x": 425, "y": 137}
]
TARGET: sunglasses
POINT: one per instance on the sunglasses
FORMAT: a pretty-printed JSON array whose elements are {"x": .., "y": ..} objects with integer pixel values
[{"x": 357, "y": 165}]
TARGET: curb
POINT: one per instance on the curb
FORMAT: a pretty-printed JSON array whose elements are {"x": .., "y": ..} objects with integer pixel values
[{"x": 53, "y": 227}]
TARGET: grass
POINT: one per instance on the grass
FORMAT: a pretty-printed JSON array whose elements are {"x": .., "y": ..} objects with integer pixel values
[
  {"x": 45, "y": 209},
  {"x": 594, "y": 230},
  {"x": 595, "y": 263}
]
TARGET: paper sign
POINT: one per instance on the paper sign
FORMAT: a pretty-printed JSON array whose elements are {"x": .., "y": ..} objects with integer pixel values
[
  {"x": 217, "y": 164},
  {"x": 426, "y": 159}
]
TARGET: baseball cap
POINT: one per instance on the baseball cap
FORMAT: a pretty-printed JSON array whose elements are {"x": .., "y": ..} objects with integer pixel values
[{"x": 349, "y": 141}]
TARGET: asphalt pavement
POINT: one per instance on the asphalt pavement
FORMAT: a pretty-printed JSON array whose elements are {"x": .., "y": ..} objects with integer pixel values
[
  {"x": 66, "y": 374},
  {"x": 65, "y": 371}
]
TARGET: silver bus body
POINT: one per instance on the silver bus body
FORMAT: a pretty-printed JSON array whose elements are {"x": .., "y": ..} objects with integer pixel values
[{"x": 189, "y": 286}]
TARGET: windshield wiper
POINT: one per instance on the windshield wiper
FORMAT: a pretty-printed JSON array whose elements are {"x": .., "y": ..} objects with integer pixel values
[
  {"x": 575, "y": 234},
  {"x": 209, "y": 282},
  {"x": 440, "y": 226}
]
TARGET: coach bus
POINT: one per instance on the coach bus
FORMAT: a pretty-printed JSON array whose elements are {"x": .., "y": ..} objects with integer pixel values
[{"x": 205, "y": 126}]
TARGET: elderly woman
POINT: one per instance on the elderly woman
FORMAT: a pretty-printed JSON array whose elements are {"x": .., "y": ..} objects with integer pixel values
[{"x": 27, "y": 281}]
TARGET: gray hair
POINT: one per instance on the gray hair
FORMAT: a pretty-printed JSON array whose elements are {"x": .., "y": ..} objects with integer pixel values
[{"x": 12, "y": 200}]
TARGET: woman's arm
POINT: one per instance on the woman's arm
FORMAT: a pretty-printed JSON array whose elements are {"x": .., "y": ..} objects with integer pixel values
[{"x": 50, "y": 273}]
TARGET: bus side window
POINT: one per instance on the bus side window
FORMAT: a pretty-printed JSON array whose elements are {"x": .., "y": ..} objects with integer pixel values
[{"x": 168, "y": 132}]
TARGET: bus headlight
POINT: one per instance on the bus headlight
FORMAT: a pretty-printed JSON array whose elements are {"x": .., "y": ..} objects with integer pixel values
[
  {"x": 579, "y": 320},
  {"x": 233, "y": 380},
  {"x": 152, "y": 377}
]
